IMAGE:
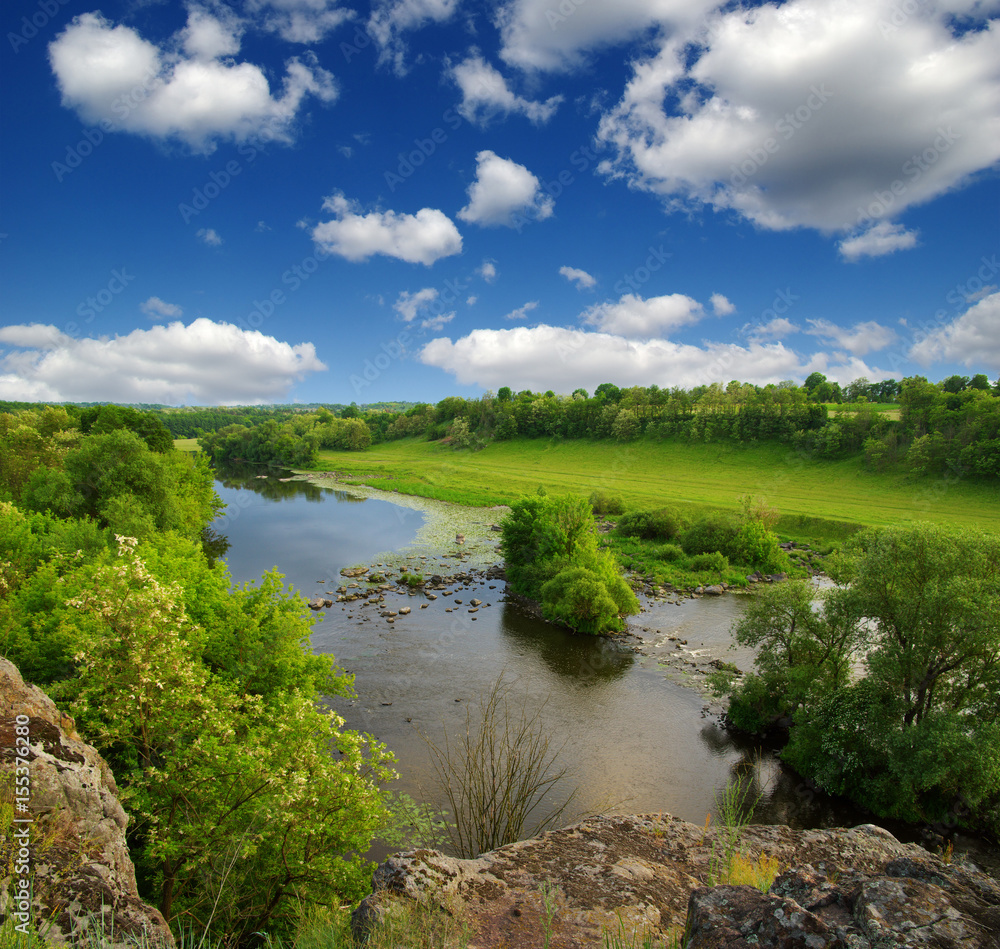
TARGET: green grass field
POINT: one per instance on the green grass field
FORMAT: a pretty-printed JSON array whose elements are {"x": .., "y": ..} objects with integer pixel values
[
  {"x": 888, "y": 409},
  {"x": 816, "y": 499},
  {"x": 186, "y": 444}
]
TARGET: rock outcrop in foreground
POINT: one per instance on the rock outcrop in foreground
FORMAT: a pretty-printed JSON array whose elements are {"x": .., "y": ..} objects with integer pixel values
[
  {"x": 78, "y": 855},
  {"x": 857, "y": 888}
]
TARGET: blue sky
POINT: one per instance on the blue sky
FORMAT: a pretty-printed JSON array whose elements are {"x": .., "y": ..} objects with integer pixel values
[{"x": 313, "y": 200}]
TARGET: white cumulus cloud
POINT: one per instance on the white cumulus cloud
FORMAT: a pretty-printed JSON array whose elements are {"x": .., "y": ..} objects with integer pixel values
[
  {"x": 635, "y": 317},
  {"x": 811, "y": 113},
  {"x": 720, "y": 305},
  {"x": 485, "y": 95},
  {"x": 877, "y": 241},
  {"x": 972, "y": 338},
  {"x": 504, "y": 194},
  {"x": 420, "y": 238},
  {"x": 209, "y": 235},
  {"x": 542, "y": 34},
  {"x": 488, "y": 271},
  {"x": 778, "y": 328},
  {"x": 206, "y": 362},
  {"x": 190, "y": 89},
  {"x": 155, "y": 309},
  {"x": 581, "y": 278},
  {"x": 550, "y": 357},
  {"x": 859, "y": 339}
]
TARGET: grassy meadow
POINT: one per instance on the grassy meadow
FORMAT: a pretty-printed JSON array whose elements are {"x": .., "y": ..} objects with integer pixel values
[{"x": 817, "y": 500}]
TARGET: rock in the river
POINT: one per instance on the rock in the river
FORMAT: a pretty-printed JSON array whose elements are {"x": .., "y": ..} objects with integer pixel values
[
  {"x": 82, "y": 869},
  {"x": 849, "y": 889}
]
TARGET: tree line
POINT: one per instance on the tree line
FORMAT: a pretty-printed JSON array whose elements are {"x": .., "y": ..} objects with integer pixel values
[{"x": 951, "y": 426}]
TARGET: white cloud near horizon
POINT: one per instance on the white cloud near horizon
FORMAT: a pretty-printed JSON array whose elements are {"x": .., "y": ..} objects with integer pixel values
[
  {"x": 504, "y": 194},
  {"x": 812, "y": 114},
  {"x": 877, "y": 241},
  {"x": 859, "y": 339},
  {"x": 972, "y": 338},
  {"x": 486, "y": 95},
  {"x": 420, "y": 238},
  {"x": 156, "y": 309},
  {"x": 581, "y": 279},
  {"x": 190, "y": 89},
  {"x": 203, "y": 363},
  {"x": 637, "y": 318},
  {"x": 778, "y": 328},
  {"x": 551, "y": 357}
]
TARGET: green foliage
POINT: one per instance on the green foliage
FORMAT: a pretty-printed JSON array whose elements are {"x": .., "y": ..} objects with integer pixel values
[
  {"x": 917, "y": 734},
  {"x": 241, "y": 809},
  {"x": 584, "y": 600},
  {"x": 715, "y": 532},
  {"x": 203, "y": 699},
  {"x": 604, "y": 503},
  {"x": 714, "y": 562},
  {"x": 757, "y": 547},
  {"x": 292, "y": 443},
  {"x": 551, "y": 555},
  {"x": 661, "y": 524},
  {"x": 101, "y": 419},
  {"x": 669, "y": 553}
]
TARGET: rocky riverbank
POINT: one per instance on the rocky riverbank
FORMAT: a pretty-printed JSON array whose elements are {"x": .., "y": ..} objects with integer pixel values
[{"x": 647, "y": 876}]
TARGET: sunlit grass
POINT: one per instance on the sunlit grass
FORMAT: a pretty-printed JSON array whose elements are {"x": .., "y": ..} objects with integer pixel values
[{"x": 817, "y": 500}]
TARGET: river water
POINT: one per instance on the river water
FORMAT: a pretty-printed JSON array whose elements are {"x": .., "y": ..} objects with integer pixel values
[{"x": 634, "y": 730}]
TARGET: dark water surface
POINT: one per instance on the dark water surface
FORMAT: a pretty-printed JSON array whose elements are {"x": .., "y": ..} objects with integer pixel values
[{"x": 635, "y": 738}]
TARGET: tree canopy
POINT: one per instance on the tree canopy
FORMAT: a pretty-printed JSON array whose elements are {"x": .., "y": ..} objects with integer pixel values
[{"x": 892, "y": 679}]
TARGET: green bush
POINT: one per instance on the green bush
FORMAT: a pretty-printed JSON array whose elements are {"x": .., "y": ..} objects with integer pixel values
[
  {"x": 759, "y": 548},
  {"x": 577, "y": 597},
  {"x": 605, "y": 503},
  {"x": 714, "y": 562},
  {"x": 716, "y": 532},
  {"x": 661, "y": 524},
  {"x": 670, "y": 553}
]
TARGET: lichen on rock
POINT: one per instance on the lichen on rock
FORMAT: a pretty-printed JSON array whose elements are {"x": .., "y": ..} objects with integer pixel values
[{"x": 82, "y": 875}]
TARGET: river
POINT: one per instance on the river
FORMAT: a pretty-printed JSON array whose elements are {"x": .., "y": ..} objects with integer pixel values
[{"x": 635, "y": 732}]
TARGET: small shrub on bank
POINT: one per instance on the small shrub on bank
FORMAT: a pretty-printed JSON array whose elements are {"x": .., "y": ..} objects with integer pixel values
[
  {"x": 661, "y": 524},
  {"x": 669, "y": 553},
  {"x": 605, "y": 503},
  {"x": 714, "y": 562},
  {"x": 716, "y": 532}
]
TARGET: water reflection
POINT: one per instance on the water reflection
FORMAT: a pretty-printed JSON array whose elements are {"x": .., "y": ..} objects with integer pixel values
[
  {"x": 274, "y": 483},
  {"x": 584, "y": 660}
]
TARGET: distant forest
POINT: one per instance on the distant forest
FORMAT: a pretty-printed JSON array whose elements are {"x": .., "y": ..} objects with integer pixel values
[{"x": 914, "y": 425}]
